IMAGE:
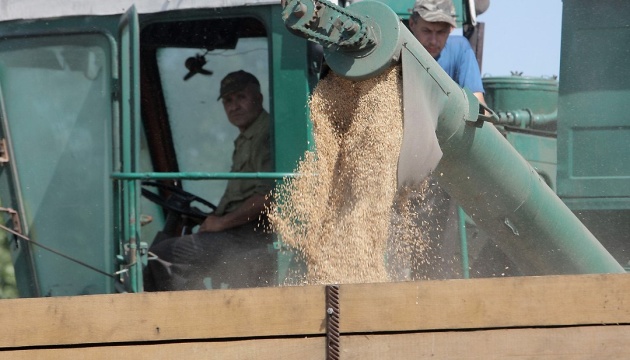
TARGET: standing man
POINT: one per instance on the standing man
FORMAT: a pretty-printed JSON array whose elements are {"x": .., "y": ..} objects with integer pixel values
[
  {"x": 431, "y": 22},
  {"x": 231, "y": 245}
]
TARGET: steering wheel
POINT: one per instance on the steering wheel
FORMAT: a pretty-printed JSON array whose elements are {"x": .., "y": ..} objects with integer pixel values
[{"x": 179, "y": 201}]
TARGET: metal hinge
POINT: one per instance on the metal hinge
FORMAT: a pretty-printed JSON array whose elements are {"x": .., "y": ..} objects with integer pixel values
[
  {"x": 15, "y": 219},
  {"x": 4, "y": 153}
]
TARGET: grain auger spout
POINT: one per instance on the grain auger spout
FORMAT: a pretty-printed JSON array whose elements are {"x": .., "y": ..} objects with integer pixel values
[
  {"x": 329, "y": 24},
  {"x": 445, "y": 134}
]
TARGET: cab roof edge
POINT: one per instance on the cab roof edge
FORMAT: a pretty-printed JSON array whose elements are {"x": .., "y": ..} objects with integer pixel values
[{"x": 42, "y": 9}]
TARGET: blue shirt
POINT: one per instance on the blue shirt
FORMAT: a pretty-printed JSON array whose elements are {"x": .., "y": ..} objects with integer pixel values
[{"x": 459, "y": 61}]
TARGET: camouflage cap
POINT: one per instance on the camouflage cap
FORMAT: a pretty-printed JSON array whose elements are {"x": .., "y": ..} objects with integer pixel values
[
  {"x": 236, "y": 81},
  {"x": 436, "y": 11}
]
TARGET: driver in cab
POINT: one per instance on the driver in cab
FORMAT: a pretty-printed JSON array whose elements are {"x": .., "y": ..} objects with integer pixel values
[{"x": 231, "y": 245}]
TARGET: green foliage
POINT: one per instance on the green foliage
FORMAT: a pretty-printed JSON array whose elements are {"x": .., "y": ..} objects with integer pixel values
[{"x": 8, "y": 288}]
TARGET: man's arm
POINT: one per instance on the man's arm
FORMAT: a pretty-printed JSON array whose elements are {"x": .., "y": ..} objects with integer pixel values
[
  {"x": 482, "y": 100},
  {"x": 250, "y": 210},
  {"x": 468, "y": 74},
  {"x": 479, "y": 96}
]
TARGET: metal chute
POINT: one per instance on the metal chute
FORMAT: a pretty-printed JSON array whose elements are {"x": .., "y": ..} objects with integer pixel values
[{"x": 478, "y": 167}]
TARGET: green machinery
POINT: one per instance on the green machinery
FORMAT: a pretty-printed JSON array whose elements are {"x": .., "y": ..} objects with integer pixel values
[
  {"x": 575, "y": 131},
  {"x": 479, "y": 168},
  {"x": 94, "y": 102}
]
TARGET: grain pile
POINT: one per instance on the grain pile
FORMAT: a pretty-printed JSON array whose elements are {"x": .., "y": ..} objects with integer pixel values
[{"x": 343, "y": 209}]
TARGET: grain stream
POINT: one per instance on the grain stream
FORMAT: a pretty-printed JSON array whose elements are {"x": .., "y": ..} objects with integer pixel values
[{"x": 344, "y": 215}]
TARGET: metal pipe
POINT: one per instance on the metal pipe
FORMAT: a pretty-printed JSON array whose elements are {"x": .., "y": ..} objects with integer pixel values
[
  {"x": 199, "y": 175},
  {"x": 525, "y": 118},
  {"x": 479, "y": 168},
  {"x": 463, "y": 238},
  {"x": 499, "y": 189},
  {"x": 130, "y": 143}
]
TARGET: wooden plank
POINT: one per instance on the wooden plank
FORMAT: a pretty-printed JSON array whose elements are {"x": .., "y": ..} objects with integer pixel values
[
  {"x": 486, "y": 303},
  {"x": 260, "y": 349},
  {"x": 162, "y": 316},
  {"x": 571, "y": 343},
  {"x": 297, "y": 311},
  {"x": 591, "y": 342}
]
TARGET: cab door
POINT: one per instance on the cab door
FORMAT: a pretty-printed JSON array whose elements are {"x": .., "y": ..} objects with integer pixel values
[{"x": 55, "y": 188}]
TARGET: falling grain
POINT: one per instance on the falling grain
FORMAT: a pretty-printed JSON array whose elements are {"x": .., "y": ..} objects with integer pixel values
[{"x": 344, "y": 215}]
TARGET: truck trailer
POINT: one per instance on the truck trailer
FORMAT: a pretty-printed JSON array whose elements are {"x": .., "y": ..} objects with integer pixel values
[{"x": 110, "y": 123}]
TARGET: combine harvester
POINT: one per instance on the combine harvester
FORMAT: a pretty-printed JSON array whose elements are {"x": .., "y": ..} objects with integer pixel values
[{"x": 94, "y": 102}]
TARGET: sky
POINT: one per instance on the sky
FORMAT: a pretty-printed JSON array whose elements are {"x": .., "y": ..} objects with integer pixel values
[{"x": 522, "y": 36}]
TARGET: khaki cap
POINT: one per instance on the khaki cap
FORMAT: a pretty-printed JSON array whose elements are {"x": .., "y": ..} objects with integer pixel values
[
  {"x": 436, "y": 11},
  {"x": 236, "y": 81}
]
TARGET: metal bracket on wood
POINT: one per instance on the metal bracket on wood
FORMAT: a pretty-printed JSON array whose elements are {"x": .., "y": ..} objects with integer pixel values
[{"x": 332, "y": 322}]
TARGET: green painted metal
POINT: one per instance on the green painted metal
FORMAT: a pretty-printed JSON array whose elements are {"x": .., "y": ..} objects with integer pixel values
[
  {"x": 293, "y": 76},
  {"x": 461, "y": 216},
  {"x": 200, "y": 175},
  {"x": 129, "y": 52},
  {"x": 539, "y": 151},
  {"x": 61, "y": 151},
  {"x": 526, "y": 102},
  {"x": 382, "y": 51},
  {"x": 593, "y": 124},
  {"x": 492, "y": 182},
  {"x": 526, "y": 118},
  {"x": 80, "y": 195},
  {"x": 357, "y": 33},
  {"x": 104, "y": 218},
  {"x": 294, "y": 73},
  {"x": 401, "y": 8},
  {"x": 506, "y": 197},
  {"x": 594, "y": 127},
  {"x": 10, "y": 193},
  {"x": 371, "y": 56}
]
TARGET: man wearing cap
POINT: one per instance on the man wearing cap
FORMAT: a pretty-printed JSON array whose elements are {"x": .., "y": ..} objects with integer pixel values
[
  {"x": 431, "y": 22},
  {"x": 231, "y": 245},
  {"x": 244, "y": 199}
]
